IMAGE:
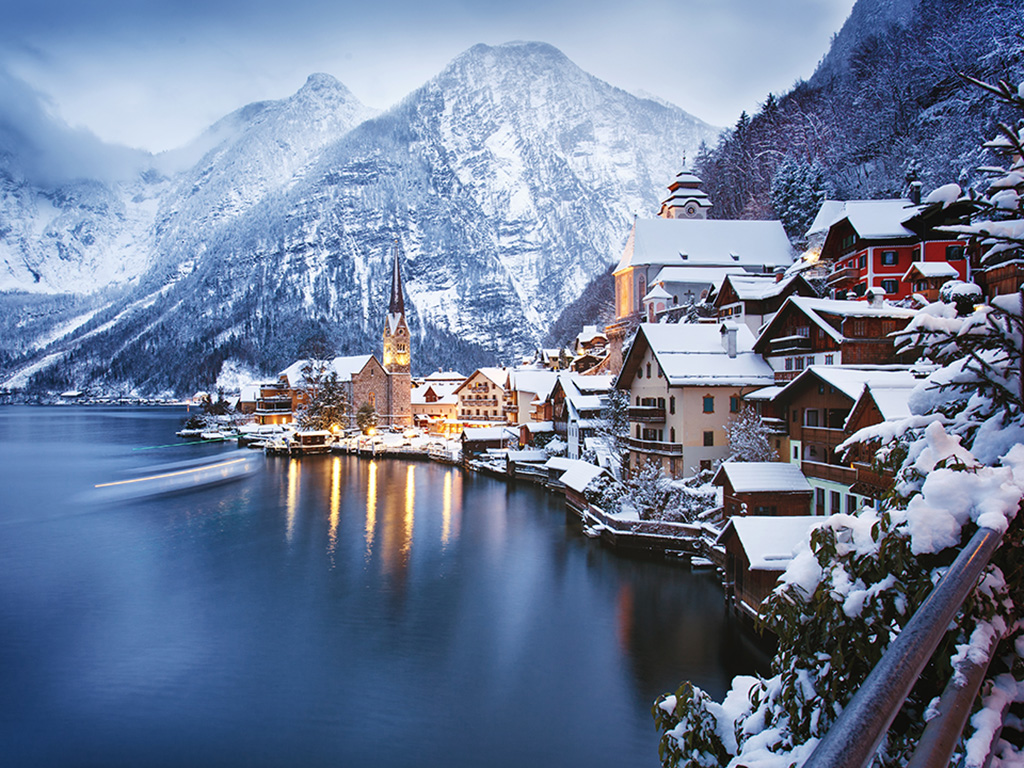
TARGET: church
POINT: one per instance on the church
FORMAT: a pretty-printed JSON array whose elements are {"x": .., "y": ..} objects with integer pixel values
[
  {"x": 679, "y": 257},
  {"x": 396, "y": 355}
]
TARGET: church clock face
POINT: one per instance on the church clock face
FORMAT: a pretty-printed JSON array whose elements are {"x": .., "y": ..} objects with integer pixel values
[{"x": 690, "y": 210}]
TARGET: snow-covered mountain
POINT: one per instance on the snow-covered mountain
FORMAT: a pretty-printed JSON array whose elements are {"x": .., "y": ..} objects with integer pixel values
[{"x": 508, "y": 180}]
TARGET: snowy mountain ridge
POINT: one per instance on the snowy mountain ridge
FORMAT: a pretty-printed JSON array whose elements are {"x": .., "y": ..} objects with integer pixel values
[{"x": 508, "y": 180}]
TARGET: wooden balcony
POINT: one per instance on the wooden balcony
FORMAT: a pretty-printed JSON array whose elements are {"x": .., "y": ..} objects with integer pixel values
[
  {"x": 654, "y": 446},
  {"x": 835, "y": 473},
  {"x": 823, "y": 436},
  {"x": 786, "y": 344},
  {"x": 646, "y": 414},
  {"x": 841, "y": 278}
]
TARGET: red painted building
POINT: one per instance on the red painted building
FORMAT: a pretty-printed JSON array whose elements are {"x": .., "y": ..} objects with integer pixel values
[{"x": 873, "y": 244}]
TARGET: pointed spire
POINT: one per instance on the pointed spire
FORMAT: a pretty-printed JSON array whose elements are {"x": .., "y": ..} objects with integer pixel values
[{"x": 397, "y": 305}]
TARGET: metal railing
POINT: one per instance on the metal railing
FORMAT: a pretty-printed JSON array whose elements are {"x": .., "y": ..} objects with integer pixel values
[{"x": 854, "y": 737}]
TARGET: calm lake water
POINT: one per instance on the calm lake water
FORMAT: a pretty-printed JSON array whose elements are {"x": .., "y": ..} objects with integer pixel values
[{"x": 333, "y": 611}]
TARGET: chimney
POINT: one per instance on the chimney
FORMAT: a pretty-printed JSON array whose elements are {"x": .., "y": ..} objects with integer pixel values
[
  {"x": 779, "y": 274},
  {"x": 876, "y": 296},
  {"x": 915, "y": 192},
  {"x": 729, "y": 331}
]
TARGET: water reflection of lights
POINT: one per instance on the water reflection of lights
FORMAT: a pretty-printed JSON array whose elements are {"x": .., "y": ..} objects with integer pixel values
[
  {"x": 293, "y": 496},
  {"x": 335, "y": 501},
  {"x": 371, "y": 507},
  {"x": 446, "y": 508},
  {"x": 410, "y": 510}
]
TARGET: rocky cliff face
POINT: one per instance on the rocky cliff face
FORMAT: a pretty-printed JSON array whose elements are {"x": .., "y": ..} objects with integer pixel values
[{"x": 508, "y": 180}]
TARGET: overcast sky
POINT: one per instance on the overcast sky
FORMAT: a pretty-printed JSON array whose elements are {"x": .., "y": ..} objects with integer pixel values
[{"x": 153, "y": 74}]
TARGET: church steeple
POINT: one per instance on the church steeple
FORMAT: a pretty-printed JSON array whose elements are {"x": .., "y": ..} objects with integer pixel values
[
  {"x": 397, "y": 305},
  {"x": 396, "y": 332},
  {"x": 686, "y": 200}
]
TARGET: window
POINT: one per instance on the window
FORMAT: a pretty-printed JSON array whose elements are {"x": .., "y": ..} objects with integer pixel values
[
  {"x": 672, "y": 405},
  {"x": 862, "y": 262},
  {"x": 851, "y": 504},
  {"x": 709, "y": 438},
  {"x": 890, "y": 258},
  {"x": 819, "y": 501},
  {"x": 789, "y": 363},
  {"x": 660, "y": 375},
  {"x": 835, "y": 503},
  {"x": 796, "y": 452},
  {"x": 954, "y": 253},
  {"x": 798, "y": 363},
  {"x": 810, "y": 361},
  {"x": 638, "y": 399},
  {"x": 734, "y": 404},
  {"x": 890, "y": 286},
  {"x": 811, "y": 416},
  {"x": 804, "y": 330},
  {"x": 661, "y": 403},
  {"x": 705, "y": 465},
  {"x": 709, "y": 404},
  {"x": 637, "y": 431},
  {"x": 830, "y": 359},
  {"x": 648, "y": 370},
  {"x": 672, "y": 435}
]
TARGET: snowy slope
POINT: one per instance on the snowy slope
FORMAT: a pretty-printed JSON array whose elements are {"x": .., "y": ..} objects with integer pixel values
[{"x": 509, "y": 181}]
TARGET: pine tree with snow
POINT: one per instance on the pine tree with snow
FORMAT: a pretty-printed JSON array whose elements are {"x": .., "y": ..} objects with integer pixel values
[
  {"x": 798, "y": 189},
  {"x": 860, "y": 578}
]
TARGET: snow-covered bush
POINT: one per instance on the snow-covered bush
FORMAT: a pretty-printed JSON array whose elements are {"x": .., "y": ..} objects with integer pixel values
[{"x": 748, "y": 437}]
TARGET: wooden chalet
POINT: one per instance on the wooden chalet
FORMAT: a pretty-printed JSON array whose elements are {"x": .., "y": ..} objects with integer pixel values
[
  {"x": 763, "y": 489},
  {"x": 754, "y": 299},
  {"x": 808, "y": 331},
  {"x": 757, "y": 551}
]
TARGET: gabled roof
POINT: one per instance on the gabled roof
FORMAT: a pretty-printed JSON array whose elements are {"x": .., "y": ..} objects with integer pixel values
[
  {"x": 497, "y": 376},
  {"x": 890, "y": 396},
  {"x": 695, "y": 354},
  {"x": 446, "y": 376},
  {"x": 344, "y": 367},
  {"x": 851, "y": 381},
  {"x": 579, "y": 475},
  {"x": 815, "y": 309},
  {"x": 758, "y": 476},
  {"x": 932, "y": 269},
  {"x": 876, "y": 219},
  {"x": 657, "y": 292},
  {"x": 710, "y": 276},
  {"x": 761, "y": 287},
  {"x": 537, "y": 382},
  {"x": 706, "y": 242},
  {"x": 770, "y": 542}
]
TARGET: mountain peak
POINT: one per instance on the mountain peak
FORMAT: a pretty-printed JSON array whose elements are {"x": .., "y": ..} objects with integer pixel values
[{"x": 321, "y": 81}]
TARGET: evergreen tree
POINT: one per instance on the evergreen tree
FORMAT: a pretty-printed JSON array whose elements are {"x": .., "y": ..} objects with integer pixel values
[
  {"x": 748, "y": 437},
  {"x": 798, "y": 189}
]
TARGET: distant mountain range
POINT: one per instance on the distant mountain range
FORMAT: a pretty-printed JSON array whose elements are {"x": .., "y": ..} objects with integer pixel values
[{"x": 508, "y": 181}]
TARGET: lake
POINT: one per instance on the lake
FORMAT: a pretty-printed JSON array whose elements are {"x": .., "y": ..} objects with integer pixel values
[{"x": 329, "y": 611}]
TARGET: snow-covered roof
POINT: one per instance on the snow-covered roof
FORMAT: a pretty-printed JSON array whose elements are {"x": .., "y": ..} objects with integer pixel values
[
  {"x": 344, "y": 367},
  {"x": 657, "y": 292},
  {"x": 770, "y": 542},
  {"x": 446, "y": 376},
  {"x": 765, "y": 393},
  {"x": 758, "y": 287},
  {"x": 814, "y": 308},
  {"x": 249, "y": 393},
  {"x": 879, "y": 219},
  {"x": 709, "y": 276},
  {"x": 715, "y": 369},
  {"x": 706, "y": 242},
  {"x": 560, "y": 463},
  {"x": 531, "y": 455},
  {"x": 932, "y": 269},
  {"x": 580, "y": 475},
  {"x": 536, "y": 382},
  {"x": 490, "y": 433},
  {"x": 756, "y": 476},
  {"x": 830, "y": 212},
  {"x": 688, "y": 338},
  {"x": 851, "y": 381},
  {"x": 589, "y": 333},
  {"x": 695, "y": 354}
]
